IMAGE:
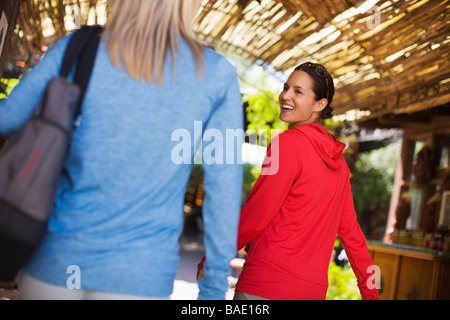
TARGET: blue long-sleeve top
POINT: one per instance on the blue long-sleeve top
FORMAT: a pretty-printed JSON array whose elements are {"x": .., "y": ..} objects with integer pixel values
[{"x": 118, "y": 211}]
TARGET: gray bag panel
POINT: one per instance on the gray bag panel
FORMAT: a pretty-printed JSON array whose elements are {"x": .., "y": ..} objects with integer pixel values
[{"x": 28, "y": 185}]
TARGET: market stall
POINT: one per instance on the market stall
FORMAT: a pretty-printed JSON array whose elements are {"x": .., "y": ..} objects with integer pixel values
[{"x": 414, "y": 257}]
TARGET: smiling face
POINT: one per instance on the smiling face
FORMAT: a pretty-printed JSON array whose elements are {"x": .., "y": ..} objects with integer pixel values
[{"x": 298, "y": 101}]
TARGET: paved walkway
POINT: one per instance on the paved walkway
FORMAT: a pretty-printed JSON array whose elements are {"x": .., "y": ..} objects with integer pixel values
[
  {"x": 8, "y": 294},
  {"x": 185, "y": 286}
]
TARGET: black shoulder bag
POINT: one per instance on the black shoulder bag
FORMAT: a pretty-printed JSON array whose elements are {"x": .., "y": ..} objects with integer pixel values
[{"x": 32, "y": 161}]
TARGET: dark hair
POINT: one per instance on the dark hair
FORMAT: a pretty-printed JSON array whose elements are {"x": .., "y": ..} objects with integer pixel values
[{"x": 318, "y": 73}]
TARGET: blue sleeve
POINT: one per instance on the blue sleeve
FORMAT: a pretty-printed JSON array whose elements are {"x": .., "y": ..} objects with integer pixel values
[
  {"x": 223, "y": 175},
  {"x": 18, "y": 106}
]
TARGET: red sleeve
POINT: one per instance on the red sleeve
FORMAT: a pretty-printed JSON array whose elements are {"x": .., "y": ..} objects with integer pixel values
[
  {"x": 280, "y": 169},
  {"x": 356, "y": 249}
]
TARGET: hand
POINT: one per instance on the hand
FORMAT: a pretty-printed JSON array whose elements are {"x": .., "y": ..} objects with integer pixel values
[
  {"x": 200, "y": 272},
  {"x": 200, "y": 269}
]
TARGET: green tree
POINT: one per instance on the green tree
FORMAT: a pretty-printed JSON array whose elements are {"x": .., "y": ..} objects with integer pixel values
[
  {"x": 263, "y": 111},
  {"x": 372, "y": 184},
  {"x": 342, "y": 283}
]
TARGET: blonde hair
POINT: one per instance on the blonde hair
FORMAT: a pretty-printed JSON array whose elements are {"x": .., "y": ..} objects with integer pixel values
[{"x": 140, "y": 33}]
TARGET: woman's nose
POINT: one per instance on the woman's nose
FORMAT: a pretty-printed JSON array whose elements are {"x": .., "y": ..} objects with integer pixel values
[{"x": 285, "y": 95}]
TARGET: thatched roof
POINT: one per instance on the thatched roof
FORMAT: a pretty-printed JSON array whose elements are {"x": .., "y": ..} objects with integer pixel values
[{"x": 386, "y": 56}]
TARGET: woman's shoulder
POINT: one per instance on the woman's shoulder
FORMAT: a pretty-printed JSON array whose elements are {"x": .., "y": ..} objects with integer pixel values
[
  {"x": 292, "y": 135},
  {"x": 292, "y": 139},
  {"x": 217, "y": 62},
  {"x": 286, "y": 140}
]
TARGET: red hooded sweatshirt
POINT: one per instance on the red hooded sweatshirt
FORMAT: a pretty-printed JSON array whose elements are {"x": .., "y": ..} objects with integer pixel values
[{"x": 301, "y": 200}]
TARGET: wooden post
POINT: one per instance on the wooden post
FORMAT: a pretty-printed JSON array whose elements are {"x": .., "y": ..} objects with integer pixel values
[{"x": 9, "y": 9}]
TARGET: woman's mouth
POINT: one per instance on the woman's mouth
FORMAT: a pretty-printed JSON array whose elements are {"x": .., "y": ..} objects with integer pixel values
[{"x": 286, "y": 108}]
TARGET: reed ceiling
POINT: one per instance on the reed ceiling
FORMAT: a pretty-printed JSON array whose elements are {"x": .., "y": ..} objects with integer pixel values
[{"x": 386, "y": 56}]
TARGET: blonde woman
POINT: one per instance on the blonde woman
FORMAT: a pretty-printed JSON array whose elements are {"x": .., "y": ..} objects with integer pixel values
[{"x": 118, "y": 213}]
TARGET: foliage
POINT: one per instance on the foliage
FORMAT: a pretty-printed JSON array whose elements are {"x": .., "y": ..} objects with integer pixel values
[
  {"x": 251, "y": 173},
  {"x": 6, "y": 85},
  {"x": 384, "y": 159},
  {"x": 370, "y": 187},
  {"x": 263, "y": 113},
  {"x": 342, "y": 283},
  {"x": 372, "y": 184}
]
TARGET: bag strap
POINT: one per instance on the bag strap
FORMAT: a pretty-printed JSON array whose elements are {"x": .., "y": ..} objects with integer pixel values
[{"x": 82, "y": 48}]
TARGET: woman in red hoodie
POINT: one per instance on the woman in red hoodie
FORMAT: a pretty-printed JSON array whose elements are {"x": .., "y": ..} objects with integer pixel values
[{"x": 301, "y": 200}]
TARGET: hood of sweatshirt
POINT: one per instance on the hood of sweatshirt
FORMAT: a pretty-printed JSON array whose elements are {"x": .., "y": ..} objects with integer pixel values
[{"x": 328, "y": 147}]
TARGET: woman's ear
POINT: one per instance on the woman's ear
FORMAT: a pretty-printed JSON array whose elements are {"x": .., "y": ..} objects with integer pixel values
[{"x": 320, "y": 105}]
